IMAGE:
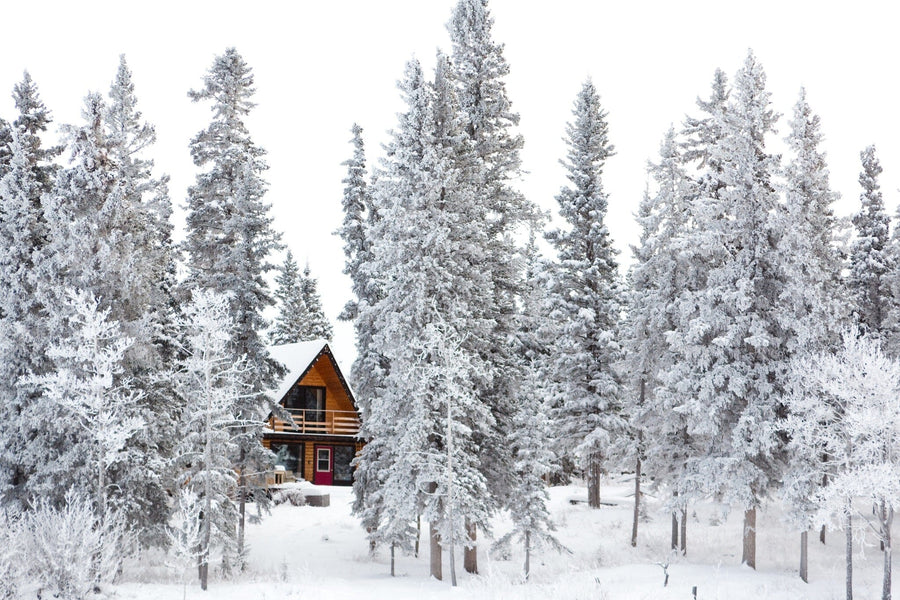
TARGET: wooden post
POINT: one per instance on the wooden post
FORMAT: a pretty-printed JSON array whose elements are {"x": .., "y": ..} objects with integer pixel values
[
  {"x": 749, "y": 555},
  {"x": 470, "y": 555},
  {"x": 804, "y": 557},
  {"x": 436, "y": 566}
]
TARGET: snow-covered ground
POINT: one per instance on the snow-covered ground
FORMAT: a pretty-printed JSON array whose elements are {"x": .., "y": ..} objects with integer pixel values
[{"x": 315, "y": 553}]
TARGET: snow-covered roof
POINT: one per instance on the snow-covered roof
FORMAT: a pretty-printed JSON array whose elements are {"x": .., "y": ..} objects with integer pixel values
[{"x": 297, "y": 359}]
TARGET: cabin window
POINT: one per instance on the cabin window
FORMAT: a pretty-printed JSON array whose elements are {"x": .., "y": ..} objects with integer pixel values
[
  {"x": 343, "y": 471},
  {"x": 310, "y": 399},
  {"x": 289, "y": 455}
]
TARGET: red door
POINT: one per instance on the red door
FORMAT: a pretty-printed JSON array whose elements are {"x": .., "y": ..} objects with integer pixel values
[{"x": 324, "y": 465}]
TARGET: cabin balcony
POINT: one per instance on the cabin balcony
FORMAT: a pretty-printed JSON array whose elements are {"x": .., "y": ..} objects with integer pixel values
[{"x": 318, "y": 422}]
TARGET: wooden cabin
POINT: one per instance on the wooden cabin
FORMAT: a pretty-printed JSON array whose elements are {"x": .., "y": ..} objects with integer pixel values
[{"x": 323, "y": 436}]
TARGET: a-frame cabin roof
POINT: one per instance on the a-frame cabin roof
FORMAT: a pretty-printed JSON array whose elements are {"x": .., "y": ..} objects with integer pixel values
[{"x": 298, "y": 359}]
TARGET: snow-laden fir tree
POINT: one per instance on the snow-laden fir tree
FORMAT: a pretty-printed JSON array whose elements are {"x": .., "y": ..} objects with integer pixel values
[
  {"x": 490, "y": 122},
  {"x": 228, "y": 242},
  {"x": 429, "y": 253},
  {"x": 109, "y": 234},
  {"x": 586, "y": 299},
  {"x": 845, "y": 409},
  {"x": 293, "y": 317},
  {"x": 697, "y": 254},
  {"x": 27, "y": 169},
  {"x": 658, "y": 276},
  {"x": 370, "y": 368},
  {"x": 360, "y": 218},
  {"x": 317, "y": 326},
  {"x": 534, "y": 459},
  {"x": 813, "y": 298},
  {"x": 145, "y": 303},
  {"x": 212, "y": 384},
  {"x": 730, "y": 348},
  {"x": 871, "y": 260}
]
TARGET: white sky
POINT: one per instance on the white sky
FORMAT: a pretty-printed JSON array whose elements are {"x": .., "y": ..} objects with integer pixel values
[{"x": 320, "y": 66}]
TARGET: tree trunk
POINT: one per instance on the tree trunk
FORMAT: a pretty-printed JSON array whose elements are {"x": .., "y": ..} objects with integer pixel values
[
  {"x": 527, "y": 554},
  {"x": 683, "y": 540},
  {"x": 749, "y": 556},
  {"x": 470, "y": 555},
  {"x": 887, "y": 518},
  {"x": 804, "y": 559},
  {"x": 418, "y": 533},
  {"x": 593, "y": 481},
  {"x": 849, "y": 532},
  {"x": 637, "y": 473},
  {"x": 205, "y": 537},
  {"x": 436, "y": 567},
  {"x": 824, "y": 483},
  {"x": 393, "y": 548},
  {"x": 637, "y": 501},
  {"x": 674, "y": 530},
  {"x": 242, "y": 506}
]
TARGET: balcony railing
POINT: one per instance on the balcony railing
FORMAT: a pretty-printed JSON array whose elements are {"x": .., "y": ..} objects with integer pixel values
[{"x": 328, "y": 422}]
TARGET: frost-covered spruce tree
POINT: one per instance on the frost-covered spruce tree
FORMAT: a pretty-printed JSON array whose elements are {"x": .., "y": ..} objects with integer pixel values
[
  {"x": 144, "y": 299},
  {"x": 429, "y": 253},
  {"x": 370, "y": 368},
  {"x": 317, "y": 326},
  {"x": 731, "y": 347},
  {"x": 697, "y": 254},
  {"x": 109, "y": 234},
  {"x": 360, "y": 219},
  {"x": 228, "y": 243},
  {"x": 586, "y": 299},
  {"x": 813, "y": 298},
  {"x": 534, "y": 459},
  {"x": 27, "y": 169},
  {"x": 656, "y": 279},
  {"x": 212, "y": 383},
  {"x": 871, "y": 262},
  {"x": 292, "y": 319},
  {"x": 490, "y": 123}
]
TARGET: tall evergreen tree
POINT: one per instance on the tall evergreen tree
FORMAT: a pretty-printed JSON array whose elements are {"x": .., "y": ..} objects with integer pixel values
[
  {"x": 293, "y": 316},
  {"x": 586, "y": 299},
  {"x": 813, "y": 298},
  {"x": 657, "y": 277},
  {"x": 731, "y": 347},
  {"x": 27, "y": 169},
  {"x": 489, "y": 121},
  {"x": 317, "y": 326},
  {"x": 871, "y": 262},
  {"x": 229, "y": 239},
  {"x": 429, "y": 247}
]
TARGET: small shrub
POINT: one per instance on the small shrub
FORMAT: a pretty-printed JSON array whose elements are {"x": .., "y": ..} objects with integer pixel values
[
  {"x": 294, "y": 496},
  {"x": 68, "y": 551}
]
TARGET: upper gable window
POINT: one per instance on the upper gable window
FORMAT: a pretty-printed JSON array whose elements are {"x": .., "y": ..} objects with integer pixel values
[{"x": 310, "y": 399}]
